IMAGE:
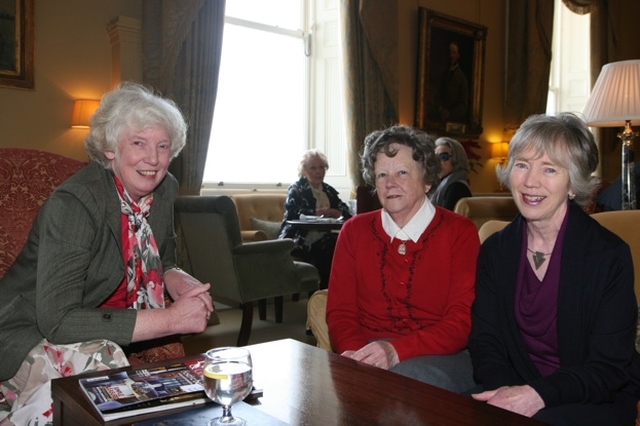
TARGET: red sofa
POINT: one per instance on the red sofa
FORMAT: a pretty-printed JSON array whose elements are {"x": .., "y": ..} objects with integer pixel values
[{"x": 27, "y": 177}]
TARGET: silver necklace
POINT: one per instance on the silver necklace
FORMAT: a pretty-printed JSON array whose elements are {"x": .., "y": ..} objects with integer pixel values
[{"x": 538, "y": 257}]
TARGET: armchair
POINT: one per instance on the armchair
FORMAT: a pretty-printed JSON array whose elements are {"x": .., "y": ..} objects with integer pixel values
[
  {"x": 626, "y": 224},
  {"x": 239, "y": 273},
  {"x": 484, "y": 208}
]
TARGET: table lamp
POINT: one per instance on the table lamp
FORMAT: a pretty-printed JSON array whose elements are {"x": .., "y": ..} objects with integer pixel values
[{"x": 615, "y": 102}]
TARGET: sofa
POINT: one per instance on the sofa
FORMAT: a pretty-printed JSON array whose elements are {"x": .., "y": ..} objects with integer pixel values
[
  {"x": 27, "y": 177},
  {"x": 260, "y": 214}
]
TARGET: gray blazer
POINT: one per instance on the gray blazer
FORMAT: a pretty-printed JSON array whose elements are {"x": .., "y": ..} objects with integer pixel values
[{"x": 72, "y": 261}]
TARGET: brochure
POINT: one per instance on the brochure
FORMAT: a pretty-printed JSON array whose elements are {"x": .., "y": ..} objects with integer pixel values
[{"x": 123, "y": 394}]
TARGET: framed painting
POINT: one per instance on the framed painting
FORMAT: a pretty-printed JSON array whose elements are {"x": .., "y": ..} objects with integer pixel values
[
  {"x": 16, "y": 43},
  {"x": 450, "y": 75}
]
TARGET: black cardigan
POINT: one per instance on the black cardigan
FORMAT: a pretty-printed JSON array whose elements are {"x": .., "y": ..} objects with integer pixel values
[{"x": 596, "y": 317}]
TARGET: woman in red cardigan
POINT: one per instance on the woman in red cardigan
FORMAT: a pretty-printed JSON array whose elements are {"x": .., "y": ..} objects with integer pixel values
[{"x": 402, "y": 280}]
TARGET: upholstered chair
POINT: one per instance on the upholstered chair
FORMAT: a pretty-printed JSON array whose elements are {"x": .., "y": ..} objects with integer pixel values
[
  {"x": 482, "y": 209},
  {"x": 239, "y": 273}
]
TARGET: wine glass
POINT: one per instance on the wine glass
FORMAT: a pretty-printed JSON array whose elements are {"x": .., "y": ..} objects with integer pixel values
[{"x": 227, "y": 377}]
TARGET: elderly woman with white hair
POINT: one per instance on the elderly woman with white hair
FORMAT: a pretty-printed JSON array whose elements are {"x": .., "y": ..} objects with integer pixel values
[
  {"x": 453, "y": 177},
  {"x": 89, "y": 286}
]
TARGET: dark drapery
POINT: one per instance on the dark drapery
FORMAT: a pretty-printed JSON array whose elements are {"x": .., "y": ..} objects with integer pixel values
[
  {"x": 529, "y": 32},
  {"x": 369, "y": 47},
  {"x": 181, "y": 45}
]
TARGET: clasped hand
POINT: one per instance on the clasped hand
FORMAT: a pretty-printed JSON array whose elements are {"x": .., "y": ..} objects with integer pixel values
[
  {"x": 192, "y": 302},
  {"x": 328, "y": 212},
  {"x": 192, "y": 309},
  {"x": 380, "y": 354}
]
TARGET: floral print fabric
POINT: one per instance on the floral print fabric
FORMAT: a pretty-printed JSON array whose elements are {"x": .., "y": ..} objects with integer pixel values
[
  {"x": 145, "y": 287},
  {"x": 28, "y": 393}
]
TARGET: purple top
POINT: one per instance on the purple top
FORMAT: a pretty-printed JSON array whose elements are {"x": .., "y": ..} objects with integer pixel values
[{"x": 536, "y": 304}]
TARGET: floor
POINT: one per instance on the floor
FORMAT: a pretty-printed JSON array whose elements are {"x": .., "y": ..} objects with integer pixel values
[{"x": 226, "y": 333}]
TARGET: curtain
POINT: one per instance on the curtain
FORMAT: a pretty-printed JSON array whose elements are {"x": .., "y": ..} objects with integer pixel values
[
  {"x": 181, "y": 45},
  {"x": 529, "y": 32},
  {"x": 369, "y": 42}
]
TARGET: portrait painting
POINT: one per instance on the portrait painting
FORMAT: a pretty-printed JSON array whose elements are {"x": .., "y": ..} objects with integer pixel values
[
  {"x": 450, "y": 75},
  {"x": 16, "y": 44}
]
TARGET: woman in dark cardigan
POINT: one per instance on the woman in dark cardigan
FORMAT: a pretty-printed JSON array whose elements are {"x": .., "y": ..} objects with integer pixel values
[{"x": 553, "y": 323}]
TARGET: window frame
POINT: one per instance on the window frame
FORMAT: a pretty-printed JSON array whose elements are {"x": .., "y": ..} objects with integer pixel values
[{"x": 317, "y": 116}]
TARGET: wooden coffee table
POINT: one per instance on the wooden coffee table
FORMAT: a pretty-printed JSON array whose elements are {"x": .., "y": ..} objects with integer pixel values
[{"x": 304, "y": 385}]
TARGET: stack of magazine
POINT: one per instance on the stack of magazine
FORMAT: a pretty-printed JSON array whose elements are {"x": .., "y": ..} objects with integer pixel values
[{"x": 123, "y": 394}]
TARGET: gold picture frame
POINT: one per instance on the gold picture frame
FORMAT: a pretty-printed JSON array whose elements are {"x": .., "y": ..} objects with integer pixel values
[
  {"x": 16, "y": 44},
  {"x": 450, "y": 91}
]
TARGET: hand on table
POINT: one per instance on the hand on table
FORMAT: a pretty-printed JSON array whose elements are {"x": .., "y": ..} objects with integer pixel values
[
  {"x": 380, "y": 354},
  {"x": 328, "y": 212},
  {"x": 518, "y": 399}
]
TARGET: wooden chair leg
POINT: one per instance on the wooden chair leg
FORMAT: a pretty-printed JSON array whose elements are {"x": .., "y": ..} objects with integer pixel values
[
  {"x": 245, "y": 327},
  {"x": 278, "y": 302},
  {"x": 262, "y": 309}
]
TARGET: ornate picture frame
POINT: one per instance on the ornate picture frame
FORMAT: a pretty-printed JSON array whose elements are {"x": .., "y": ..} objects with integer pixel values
[
  {"x": 450, "y": 76},
  {"x": 16, "y": 44}
]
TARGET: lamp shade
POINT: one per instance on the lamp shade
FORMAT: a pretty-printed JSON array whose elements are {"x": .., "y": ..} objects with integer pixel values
[
  {"x": 616, "y": 95},
  {"x": 499, "y": 150},
  {"x": 83, "y": 109}
]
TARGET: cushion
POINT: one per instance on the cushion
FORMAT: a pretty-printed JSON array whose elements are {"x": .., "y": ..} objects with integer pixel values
[{"x": 272, "y": 229}]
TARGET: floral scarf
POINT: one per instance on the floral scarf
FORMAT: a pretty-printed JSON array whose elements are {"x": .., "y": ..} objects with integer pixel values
[{"x": 145, "y": 287}]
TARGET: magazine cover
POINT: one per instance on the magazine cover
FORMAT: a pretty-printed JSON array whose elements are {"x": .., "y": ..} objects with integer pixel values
[{"x": 146, "y": 390}]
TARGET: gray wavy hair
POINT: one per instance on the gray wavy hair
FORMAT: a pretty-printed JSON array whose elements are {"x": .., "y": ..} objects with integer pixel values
[
  {"x": 566, "y": 139},
  {"x": 132, "y": 107},
  {"x": 421, "y": 144}
]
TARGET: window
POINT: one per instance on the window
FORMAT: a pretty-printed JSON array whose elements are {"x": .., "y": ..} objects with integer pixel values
[
  {"x": 278, "y": 95},
  {"x": 569, "y": 79}
]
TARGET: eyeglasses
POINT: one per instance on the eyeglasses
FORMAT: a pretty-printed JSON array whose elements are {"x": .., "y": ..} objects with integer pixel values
[{"x": 444, "y": 156}]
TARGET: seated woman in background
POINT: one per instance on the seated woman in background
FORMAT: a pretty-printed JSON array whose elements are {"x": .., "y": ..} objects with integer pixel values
[
  {"x": 100, "y": 255},
  {"x": 554, "y": 320},
  {"x": 311, "y": 196},
  {"x": 453, "y": 177},
  {"x": 402, "y": 280}
]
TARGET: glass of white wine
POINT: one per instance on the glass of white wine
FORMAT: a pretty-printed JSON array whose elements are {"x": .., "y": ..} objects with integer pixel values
[{"x": 227, "y": 377}]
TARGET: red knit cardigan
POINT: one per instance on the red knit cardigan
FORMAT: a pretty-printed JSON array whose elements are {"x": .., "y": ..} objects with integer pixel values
[{"x": 420, "y": 301}]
